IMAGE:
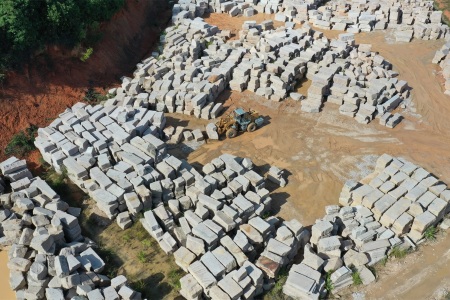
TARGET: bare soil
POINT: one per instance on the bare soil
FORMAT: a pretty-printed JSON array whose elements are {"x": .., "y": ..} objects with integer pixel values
[
  {"x": 58, "y": 79},
  {"x": 6, "y": 292}
]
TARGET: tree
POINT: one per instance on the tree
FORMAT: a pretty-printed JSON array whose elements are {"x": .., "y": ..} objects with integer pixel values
[{"x": 27, "y": 25}]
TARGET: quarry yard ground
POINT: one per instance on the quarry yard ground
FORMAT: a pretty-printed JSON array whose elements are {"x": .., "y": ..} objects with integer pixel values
[{"x": 319, "y": 151}]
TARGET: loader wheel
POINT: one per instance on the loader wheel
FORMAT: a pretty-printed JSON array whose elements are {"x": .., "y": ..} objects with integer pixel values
[
  {"x": 231, "y": 133},
  {"x": 251, "y": 127}
]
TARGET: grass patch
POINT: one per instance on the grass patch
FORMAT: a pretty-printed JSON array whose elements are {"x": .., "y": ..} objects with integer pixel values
[
  {"x": 147, "y": 243},
  {"x": 126, "y": 237},
  {"x": 383, "y": 262},
  {"x": 57, "y": 181},
  {"x": 430, "y": 233},
  {"x": 356, "y": 278},
  {"x": 108, "y": 255},
  {"x": 174, "y": 278},
  {"x": 142, "y": 257},
  {"x": 328, "y": 283},
  {"x": 207, "y": 44},
  {"x": 277, "y": 291},
  {"x": 22, "y": 143},
  {"x": 398, "y": 252},
  {"x": 139, "y": 231},
  {"x": 139, "y": 285}
]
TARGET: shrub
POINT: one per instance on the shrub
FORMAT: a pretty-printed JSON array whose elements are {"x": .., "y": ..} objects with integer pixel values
[
  {"x": 87, "y": 54},
  {"x": 91, "y": 96},
  {"x": 57, "y": 181},
  {"x": 27, "y": 25},
  {"x": 2, "y": 78},
  {"x": 430, "y": 233},
  {"x": 22, "y": 143},
  {"x": 266, "y": 214}
]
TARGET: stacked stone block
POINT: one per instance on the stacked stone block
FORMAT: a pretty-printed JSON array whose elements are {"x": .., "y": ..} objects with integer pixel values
[{"x": 48, "y": 256}]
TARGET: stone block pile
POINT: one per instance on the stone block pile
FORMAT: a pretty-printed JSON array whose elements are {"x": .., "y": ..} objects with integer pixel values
[
  {"x": 357, "y": 79},
  {"x": 210, "y": 220},
  {"x": 48, "y": 256},
  {"x": 196, "y": 63},
  {"x": 409, "y": 20},
  {"x": 397, "y": 206},
  {"x": 415, "y": 19},
  {"x": 443, "y": 60},
  {"x": 111, "y": 152},
  {"x": 215, "y": 229},
  {"x": 402, "y": 196},
  {"x": 194, "y": 67}
]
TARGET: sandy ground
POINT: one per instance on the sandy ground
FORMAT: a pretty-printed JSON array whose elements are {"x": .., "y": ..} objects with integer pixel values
[{"x": 5, "y": 290}]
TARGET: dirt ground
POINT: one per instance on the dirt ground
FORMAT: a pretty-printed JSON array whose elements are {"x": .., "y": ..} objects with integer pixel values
[{"x": 6, "y": 292}]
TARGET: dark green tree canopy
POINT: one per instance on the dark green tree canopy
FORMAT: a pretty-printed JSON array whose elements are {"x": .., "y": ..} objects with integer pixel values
[{"x": 27, "y": 25}]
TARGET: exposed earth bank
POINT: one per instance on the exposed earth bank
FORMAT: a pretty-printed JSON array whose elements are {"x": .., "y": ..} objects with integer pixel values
[{"x": 58, "y": 79}]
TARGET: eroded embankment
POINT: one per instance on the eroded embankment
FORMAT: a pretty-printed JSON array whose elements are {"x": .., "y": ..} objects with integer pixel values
[{"x": 58, "y": 79}]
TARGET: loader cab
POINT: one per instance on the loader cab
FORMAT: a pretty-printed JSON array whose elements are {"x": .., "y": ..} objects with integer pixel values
[{"x": 242, "y": 118}]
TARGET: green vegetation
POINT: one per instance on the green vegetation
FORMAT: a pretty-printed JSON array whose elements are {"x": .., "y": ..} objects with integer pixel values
[
  {"x": 126, "y": 237},
  {"x": 57, "y": 181},
  {"x": 147, "y": 243},
  {"x": 209, "y": 43},
  {"x": 2, "y": 78},
  {"x": 27, "y": 26},
  {"x": 430, "y": 233},
  {"x": 139, "y": 285},
  {"x": 356, "y": 278},
  {"x": 142, "y": 257},
  {"x": 174, "y": 278},
  {"x": 266, "y": 214},
  {"x": 398, "y": 252},
  {"x": 22, "y": 143},
  {"x": 277, "y": 291},
  {"x": 383, "y": 262},
  {"x": 87, "y": 54},
  {"x": 92, "y": 96},
  {"x": 328, "y": 283}
]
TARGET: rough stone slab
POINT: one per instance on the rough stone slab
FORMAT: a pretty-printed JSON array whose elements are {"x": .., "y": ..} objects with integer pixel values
[{"x": 201, "y": 274}]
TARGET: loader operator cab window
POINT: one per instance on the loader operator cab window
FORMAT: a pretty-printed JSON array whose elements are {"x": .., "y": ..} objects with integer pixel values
[{"x": 241, "y": 116}]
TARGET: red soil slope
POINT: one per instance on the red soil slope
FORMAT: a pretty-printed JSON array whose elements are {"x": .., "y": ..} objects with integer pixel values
[{"x": 57, "y": 80}]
